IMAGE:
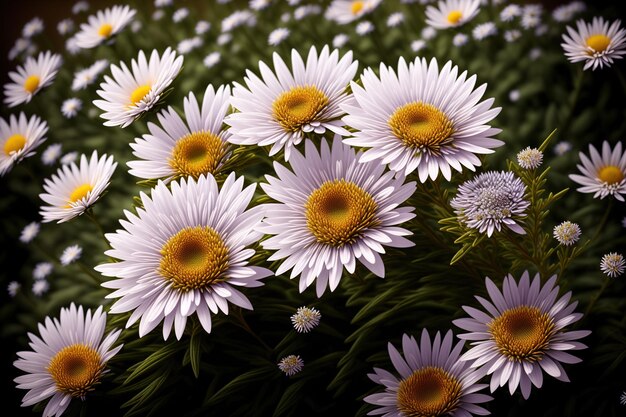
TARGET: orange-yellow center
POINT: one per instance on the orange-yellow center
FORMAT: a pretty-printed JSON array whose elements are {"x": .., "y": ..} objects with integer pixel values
[
  {"x": 139, "y": 93},
  {"x": 75, "y": 369},
  {"x": 598, "y": 42},
  {"x": 31, "y": 84},
  {"x": 198, "y": 153},
  {"x": 421, "y": 125},
  {"x": 611, "y": 174},
  {"x": 454, "y": 17},
  {"x": 79, "y": 193},
  {"x": 356, "y": 7},
  {"x": 105, "y": 30},
  {"x": 298, "y": 106},
  {"x": 14, "y": 143},
  {"x": 428, "y": 392}
]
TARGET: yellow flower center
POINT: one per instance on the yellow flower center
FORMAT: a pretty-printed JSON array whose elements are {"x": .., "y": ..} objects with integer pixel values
[
  {"x": 356, "y": 7},
  {"x": 197, "y": 153},
  {"x": 428, "y": 392},
  {"x": 31, "y": 84},
  {"x": 139, "y": 93},
  {"x": 79, "y": 193},
  {"x": 609, "y": 174},
  {"x": 454, "y": 17},
  {"x": 14, "y": 143},
  {"x": 298, "y": 106},
  {"x": 421, "y": 125},
  {"x": 598, "y": 42},
  {"x": 75, "y": 369},
  {"x": 105, "y": 30},
  {"x": 194, "y": 258},
  {"x": 339, "y": 211},
  {"x": 522, "y": 333}
]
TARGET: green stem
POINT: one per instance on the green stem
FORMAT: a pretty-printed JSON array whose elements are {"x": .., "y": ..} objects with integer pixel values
[
  {"x": 603, "y": 220},
  {"x": 597, "y": 296},
  {"x": 87, "y": 271},
  {"x": 244, "y": 325},
  {"x": 91, "y": 215},
  {"x": 577, "y": 87}
]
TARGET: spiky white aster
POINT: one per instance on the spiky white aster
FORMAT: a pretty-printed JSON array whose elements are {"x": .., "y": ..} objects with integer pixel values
[
  {"x": 30, "y": 78},
  {"x": 567, "y": 233},
  {"x": 451, "y": 13},
  {"x": 597, "y": 43},
  {"x": 277, "y": 36},
  {"x": 332, "y": 210},
  {"x": 75, "y": 188},
  {"x": 452, "y": 122},
  {"x": 291, "y": 364},
  {"x": 622, "y": 398},
  {"x": 130, "y": 93},
  {"x": 40, "y": 287},
  {"x": 612, "y": 264},
  {"x": 42, "y": 270},
  {"x": 432, "y": 367},
  {"x": 490, "y": 201},
  {"x": 178, "y": 149},
  {"x": 32, "y": 27},
  {"x": 19, "y": 137},
  {"x": 346, "y": 11},
  {"x": 71, "y": 107},
  {"x": 51, "y": 154},
  {"x": 185, "y": 252},
  {"x": 67, "y": 360},
  {"x": 530, "y": 158},
  {"x": 29, "y": 232},
  {"x": 604, "y": 175},
  {"x": 280, "y": 108},
  {"x": 71, "y": 254},
  {"x": 103, "y": 26},
  {"x": 522, "y": 333},
  {"x": 306, "y": 319}
]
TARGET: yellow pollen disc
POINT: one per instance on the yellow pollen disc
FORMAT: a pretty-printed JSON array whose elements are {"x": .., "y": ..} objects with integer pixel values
[
  {"x": 105, "y": 30},
  {"x": 139, "y": 93},
  {"x": 356, "y": 7},
  {"x": 31, "y": 84},
  {"x": 197, "y": 153},
  {"x": 522, "y": 333},
  {"x": 14, "y": 143},
  {"x": 454, "y": 17},
  {"x": 79, "y": 193},
  {"x": 298, "y": 106},
  {"x": 75, "y": 369},
  {"x": 609, "y": 174},
  {"x": 194, "y": 258},
  {"x": 421, "y": 125},
  {"x": 339, "y": 211},
  {"x": 428, "y": 392},
  {"x": 598, "y": 42}
]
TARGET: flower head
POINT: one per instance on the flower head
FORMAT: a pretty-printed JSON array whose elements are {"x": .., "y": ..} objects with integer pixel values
[
  {"x": 40, "y": 287},
  {"x": 89, "y": 75},
  {"x": 306, "y": 319},
  {"x": 68, "y": 360},
  {"x": 19, "y": 137},
  {"x": 451, "y": 13},
  {"x": 71, "y": 254},
  {"x": 435, "y": 125},
  {"x": 346, "y": 11},
  {"x": 603, "y": 174},
  {"x": 103, "y": 26},
  {"x": 291, "y": 364},
  {"x": 30, "y": 78},
  {"x": 597, "y": 43},
  {"x": 13, "y": 288},
  {"x": 42, "y": 270},
  {"x": 530, "y": 158},
  {"x": 29, "y": 232},
  {"x": 522, "y": 333},
  {"x": 433, "y": 382},
  {"x": 51, "y": 154},
  {"x": 567, "y": 233},
  {"x": 277, "y": 36},
  {"x": 71, "y": 107},
  {"x": 612, "y": 264},
  {"x": 184, "y": 253},
  {"x": 490, "y": 201}
]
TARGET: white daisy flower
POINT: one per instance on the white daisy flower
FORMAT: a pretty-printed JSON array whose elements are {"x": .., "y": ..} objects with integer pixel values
[
  {"x": 19, "y": 137},
  {"x": 30, "y": 78},
  {"x": 306, "y": 10},
  {"x": 604, "y": 175},
  {"x": 202, "y": 27},
  {"x": 67, "y": 360},
  {"x": 163, "y": 3},
  {"x": 535, "y": 53},
  {"x": 80, "y": 6},
  {"x": 510, "y": 12},
  {"x": 130, "y": 93},
  {"x": 484, "y": 30},
  {"x": 346, "y": 11},
  {"x": 428, "y": 33},
  {"x": 622, "y": 398},
  {"x": 459, "y": 39},
  {"x": 40, "y": 287},
  {"x": 280, "y": 108},
  {"x": 436, "y": 125},
  {"x": 531, "y": 15},
  {"x": 185, "y": 253},
  {"x": 567, "y": 233},
  {"x": 158, "y": 15},
  {"x": 51, "y": 154},
  {"x": 597, "y": 43},
  {"x": 291, "y": 364},
  {"x": 530, "y": 158},
  {"x": 340, "y": 40},
  {"x": 514, "y": 95},
  {"x": 65, "y": 26},
  {"x": 71, "y": 254},
  {"x": 177, "y": 149},
  {"x": 364, "y": 27},
  {"x": 73, "y": 189},
  {"x": 332, "y": 210},
  {"x": 89, "y": 75},
  {"x": 212, "y": 59},
  {"x": 612, "y": 264},
  {"x": 259, "y": 4},
  {"x": 237, "y": 19},
  {"x": 566, "y": 12},
  {"x": 71, "y": 46},
  {"x": 42, "y": 270},
  {"x": 512, "y": 35},
  {"x": 277, "y": 36},
  {"x": 71, "y": 107},
  {"x": 20, "y": 46},
  {"x": 180, "y": 15},
  {"x": 103, "y": 26},
  {"x": 13, "y": 288},
  {"x": 187, "y": 45},
  {"x": 32, "y": 27},
  {"x": 29, "y": 232},
  {"x": 223, "y": 39},
  {"x": 490, "y": 201},
  {"x": 395, "y": 19},
  {"x": 451, "y": 13},
  {"x": 417, "y": 45},
  {"x": 69, "y": 157},
  {"x": 306, "y": 319}
]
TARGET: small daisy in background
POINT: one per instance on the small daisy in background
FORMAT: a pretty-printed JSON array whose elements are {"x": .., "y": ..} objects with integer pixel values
[
  {"x": 277, "y": 36},
  {"x": 612, "y": 264},
  {"x": 597, "y": 43},
  {"x": 530, "y": 158},
  {"x": 187, "y": 45},
  {"x": 185, "y": 149},
  {"x": 74, "y": 188},
  {"x": 306, "y": 319},
  {"x": 340, "y": 40},
  {"x": 484, "y": 30},
  {"x": 417, "y": 45},
  {"x": 491, "y": 201},
  {"x": 395, "y": 19},
  {"x": 32, "y": 27},
  {"x": 460, "y": 39},
  {"x": 103, "y": 26},
  {"x": 180, "y": 14},
  {"x": 51, "y": 154},
  {"x": 451, "y": 13},
  {"x": 510, "y": 12},
  {"x": 30, "y": 78},
  {"x": 71, "y": 254},
  {"x": 69, "y": 157},
  {"x": 212, "y": 59},
  {"x": 65, "y": 27},
  {"x": 130, "y": 93},
  {"x": 29, "y": 232},
  {"x": 306, "y": 10},
  {"x": 521, "y": 334},
  {"x": 42, "y": 270},
  {"x": 19, "y": 137},
  {"x": 436, "y": 126},
  {"x": 280, "y": 108},
  {"x": 622, "y": 398},
  {"x": 602, "y": 174},
  {"x": 13, "y": 288},
  {"x": 71, "y": 107},
  {"x": 80, "y": 6},
  {"x": 567, "y": 233},
  {"x": 87, "y": 76},
  {"x": 561, "y": 148},
  {"x": 432, "y": 382},
  {"x": 291, "y": 365},
  {"x": 40, "y": 287},
  {"x": 363, "y": 28},
  {"x": 202, "y": 27},
  {"x": 68, "y": 359},
  {"x": 346, "y": 11}
]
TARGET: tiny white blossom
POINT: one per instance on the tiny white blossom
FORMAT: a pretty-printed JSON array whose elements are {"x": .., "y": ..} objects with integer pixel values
[
  {"x": 211, "y": 59},
  {"x": 51, "y": 154},
  {"x": 277, "y": 36},
  {"x": 202, "y": 27},
  {"x": 71, "y": 254},
  {"x": 291, "y": 365},
  {"x": 340, "y": 40},
  {"x": 459, "y": 39},
  {"x": 612, "y": 264},
  {"x": 567, "y": 233},
  {"x": 71, "y": 107},
  {"x": 29, "y": 232},
  {"x": 306, "y": 319},
  {"x": 418, "y": 45},
  {"x": 530, "y": 158},
  {"x": 32, "y": 27},
  {"x": 40, "y": 287},
  {"x": 65, "y": 26},
  {"x": 364, "y": 27},
  {"x": 180, "y": 14},
  {"x": 13, "y": 288},
  {"x": 484, "y": 30},
  {"x": 395, "y": 19},
  {"x": 429, "y": 32},
  {"x": 42, "y": 270},
  {"x": 69, "y": 157}
]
